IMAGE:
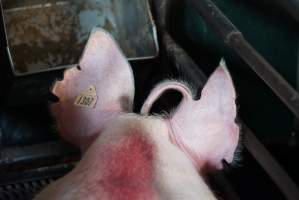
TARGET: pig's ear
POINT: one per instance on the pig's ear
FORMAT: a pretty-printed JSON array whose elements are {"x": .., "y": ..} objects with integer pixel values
[
  {"x": 101, "y": 88},
  {"x": 204, "y": 129}
]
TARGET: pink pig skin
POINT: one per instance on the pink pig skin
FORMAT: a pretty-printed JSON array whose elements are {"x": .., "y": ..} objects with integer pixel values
[
  {"x": 103, "y": 66},
  {"x": 131, "y": 156},
  {"x": 199, "y": 127},
  {"x": 159, "y": 171}
]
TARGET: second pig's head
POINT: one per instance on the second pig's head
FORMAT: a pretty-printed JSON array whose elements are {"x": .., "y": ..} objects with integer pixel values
[{"x": 102, "y": 89}]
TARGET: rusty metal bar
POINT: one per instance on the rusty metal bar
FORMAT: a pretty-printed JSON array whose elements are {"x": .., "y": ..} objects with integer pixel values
[{"x": 234, "y": 39}]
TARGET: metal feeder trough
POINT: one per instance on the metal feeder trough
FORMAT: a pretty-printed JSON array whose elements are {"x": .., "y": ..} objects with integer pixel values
[{"x": 45, "y": 35}]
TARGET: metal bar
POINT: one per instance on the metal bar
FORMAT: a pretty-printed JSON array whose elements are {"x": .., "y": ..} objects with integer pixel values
[
  {"x": 298, "y": 65},
  {"x": 291, "y": 7},
  {"x": 36, "y": 153},
  {"x": 225, "y": 186},
  {"x": 3, "y": 41},
  {"x": 33, "y": 174},
  {"x": 183, "y": 62},
  {"x": 180, "y": 59},
  {"x": 234, "y": 38},
  {"x": 270, "y": 165}
]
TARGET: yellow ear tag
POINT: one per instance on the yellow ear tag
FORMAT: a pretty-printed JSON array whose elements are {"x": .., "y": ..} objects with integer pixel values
[{"x": 88, "y": 98}]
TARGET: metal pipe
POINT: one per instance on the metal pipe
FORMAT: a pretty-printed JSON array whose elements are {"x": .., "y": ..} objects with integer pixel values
[
  {"x": 234, "y": 39},
  {"x": 270, "y": 165},
  {"x": 225, "y": 186},
  {"x": 183, "y": 63},
  {"x": 3, "y": 41},
  {"x": 291, "y": 7}
]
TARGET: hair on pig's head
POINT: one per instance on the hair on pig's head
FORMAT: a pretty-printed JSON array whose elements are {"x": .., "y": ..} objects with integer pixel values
[{"x": 103, "y": 89}]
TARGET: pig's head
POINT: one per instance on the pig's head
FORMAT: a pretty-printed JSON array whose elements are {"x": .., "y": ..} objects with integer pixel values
[
  {"x": 98, "y": 90},
  {"x": 102, "y": 89}
]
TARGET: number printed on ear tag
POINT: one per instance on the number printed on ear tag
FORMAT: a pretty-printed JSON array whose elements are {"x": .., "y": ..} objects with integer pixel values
[{"x": 87, "y": 98}]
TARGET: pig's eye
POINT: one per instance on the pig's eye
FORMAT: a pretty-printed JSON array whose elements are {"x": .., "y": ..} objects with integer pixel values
[{"x": 169, "y": 100}]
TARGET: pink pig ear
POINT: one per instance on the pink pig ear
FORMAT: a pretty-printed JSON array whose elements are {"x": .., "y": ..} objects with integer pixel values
[
  {"x": 102, "y": 88},
  {"x": 204, "y": 129}
]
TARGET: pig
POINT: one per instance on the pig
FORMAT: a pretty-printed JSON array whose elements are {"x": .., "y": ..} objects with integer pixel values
[{"x": 130, "y": 156}]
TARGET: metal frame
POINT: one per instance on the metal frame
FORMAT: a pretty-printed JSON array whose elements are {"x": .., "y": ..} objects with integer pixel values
[
  {"x": 150, "y": 24},
  {"x": 49, "y": 153},
  {"x": 233, "y": 38}
]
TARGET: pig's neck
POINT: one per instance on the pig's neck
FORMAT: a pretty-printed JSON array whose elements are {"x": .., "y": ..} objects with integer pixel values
[
  {"x": 139, "y": 162},
  {"x": 176, "y": 140},
  {"x": 132, "y": 159},
  {"x": 89, "y": 138},
  {"x": 129, "y": 169},
  {"x": 122, "y": 168}
]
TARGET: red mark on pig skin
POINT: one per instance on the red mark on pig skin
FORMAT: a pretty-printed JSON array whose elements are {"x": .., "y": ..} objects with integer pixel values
[{"x": 129, "y": 170}]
